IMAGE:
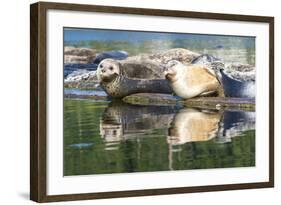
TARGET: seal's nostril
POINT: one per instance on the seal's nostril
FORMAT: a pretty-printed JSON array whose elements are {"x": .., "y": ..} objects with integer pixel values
[{"x": 103, "y": 71}]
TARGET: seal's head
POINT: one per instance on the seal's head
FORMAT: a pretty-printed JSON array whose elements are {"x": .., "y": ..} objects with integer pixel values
[
  {"x": 172, "y": 69},
  {"x": 107, "y": 70}
]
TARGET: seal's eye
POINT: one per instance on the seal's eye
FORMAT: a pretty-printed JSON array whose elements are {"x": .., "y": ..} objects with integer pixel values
[
  {"x": 101, "y": 65},
  {"x": 110, "y": 68}
]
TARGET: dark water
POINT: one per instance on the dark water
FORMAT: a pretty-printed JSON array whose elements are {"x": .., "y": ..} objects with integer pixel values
[
  {"x": 78, "y": 92},
  {"x": 103, "y": 137}
]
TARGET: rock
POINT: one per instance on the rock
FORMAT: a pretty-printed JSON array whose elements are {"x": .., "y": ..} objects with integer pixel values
[
  {"x": 151, "y": 99},
  {"x": 240, "y": 67},
  {"x": 240, "y": 72},
  {"x": 205, "y": 59},
  {"x": 73, "y": 51},
  {"x": 81, "y": 75},
  {"x": 221, "y": 102},
  {"x": 216, "y": 103},
  {"x": 78, "y": 55},
  {"x": 161, "y": 58},
  {"x": 70, "y": 67},
  {"x": 117, "y": 55},
  {"x": 76, "y": 59},
  {"x": 90, "y": 97},
  {"x": 82, "y": 79}
]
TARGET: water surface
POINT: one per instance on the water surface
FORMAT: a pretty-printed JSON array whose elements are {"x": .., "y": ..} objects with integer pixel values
[{"x": 102, "y": 137}]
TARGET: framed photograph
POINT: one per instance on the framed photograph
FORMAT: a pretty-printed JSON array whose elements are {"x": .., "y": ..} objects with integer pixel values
[{"x": 135, "y": 102}]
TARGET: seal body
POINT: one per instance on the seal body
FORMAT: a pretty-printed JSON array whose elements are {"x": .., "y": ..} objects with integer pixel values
[
  {"x": 236, "y": 79},
  {"x": 191, "y": 81},
  {"x": 111, "y": 78},
  {"x": 237, "y": 87},
  {"x": 122, "y": 86}
]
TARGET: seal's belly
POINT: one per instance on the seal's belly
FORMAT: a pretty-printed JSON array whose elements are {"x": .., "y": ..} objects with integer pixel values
[
  {"x": 184, "y": 90},
  {"x": 189, "y": 90}
]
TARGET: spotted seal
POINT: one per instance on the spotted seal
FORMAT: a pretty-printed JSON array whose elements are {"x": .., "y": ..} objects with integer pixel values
[
  {"x": 119, "y": 81},
  {"x": 238, "y": 85},
  {"x": 237, "y": 79},
  {"x": 190, "y": 81}
]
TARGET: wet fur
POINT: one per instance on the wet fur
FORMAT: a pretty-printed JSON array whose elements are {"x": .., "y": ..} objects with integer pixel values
[
  {"x": 116, "y": 85},
  {"x": 191, "y": 81}
]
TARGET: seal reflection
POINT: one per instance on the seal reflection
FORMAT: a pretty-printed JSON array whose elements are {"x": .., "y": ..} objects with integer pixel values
[
  {"x": 193, "y": 125},
  {"x": 122, "y": 121},
  {"x": 182, "y": 126}
]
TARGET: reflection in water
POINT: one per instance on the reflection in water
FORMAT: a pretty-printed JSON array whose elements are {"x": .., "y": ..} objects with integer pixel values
[
  {"x": 122, "y": 121},
  {"x": 234, "y": 123},
  {"x": 119, "y": 137},
  {"x": 193, "y": 125}
]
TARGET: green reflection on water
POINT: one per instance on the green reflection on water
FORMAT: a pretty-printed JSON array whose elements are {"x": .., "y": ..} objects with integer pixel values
[{"x": 141, "y": 146}]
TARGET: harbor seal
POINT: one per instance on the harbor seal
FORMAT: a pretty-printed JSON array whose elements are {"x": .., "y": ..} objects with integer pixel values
[
  {"x": 191, "y": 81},
  {"x": 115, "y": 84},
  {"x": 237, "y": 80},
  {"x": 238, "y": 85}
]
